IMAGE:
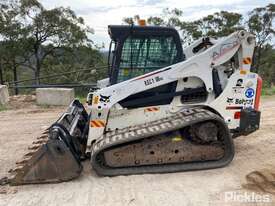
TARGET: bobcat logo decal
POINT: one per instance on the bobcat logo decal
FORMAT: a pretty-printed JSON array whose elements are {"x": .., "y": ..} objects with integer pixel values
[{"x": 105, "y": 99}]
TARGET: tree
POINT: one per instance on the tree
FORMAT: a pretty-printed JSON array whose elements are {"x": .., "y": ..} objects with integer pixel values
[
  {"x": 260, "y": 21},
  {"x": 267, "y": 68},
  {"x": 45, "y": 41},
  {"x": 13, "y": 39},
  {"x": 218, "y": 24},
  {"x": 48, "y": 30},
  {"x": 261, "y": 24},
  {"x": 131, "y": 20},
  {"x": 76, "y": 59},
  {"x": 79, "y": 65}
]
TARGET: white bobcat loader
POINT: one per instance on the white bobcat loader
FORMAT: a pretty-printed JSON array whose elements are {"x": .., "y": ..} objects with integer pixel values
[{"x": 162, "y": 109}]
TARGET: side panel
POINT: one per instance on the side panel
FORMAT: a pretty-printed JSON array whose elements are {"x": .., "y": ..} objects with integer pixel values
[
  {"x": 239, "y": 94},
  {"x": 124, "y": 118}
]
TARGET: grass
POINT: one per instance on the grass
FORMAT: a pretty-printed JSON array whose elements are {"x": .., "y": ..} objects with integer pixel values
[
  {"x": 82, "y": 99},
  {"x": 3, "y": 108},
  {"x": 268, "y": 91}
]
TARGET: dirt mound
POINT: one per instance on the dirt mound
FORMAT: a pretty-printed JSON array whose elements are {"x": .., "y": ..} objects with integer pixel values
[{"x": 21, "y": 101}]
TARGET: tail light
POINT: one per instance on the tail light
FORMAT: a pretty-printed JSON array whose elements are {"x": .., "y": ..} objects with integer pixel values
[
  {"x": 237, "y": 115},
  {"x": 258, "y": 93}
]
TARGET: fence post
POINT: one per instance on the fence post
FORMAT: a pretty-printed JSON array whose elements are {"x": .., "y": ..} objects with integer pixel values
[
  {"x": 1, "y": 73},
  {"x": 16, "y": 90}
]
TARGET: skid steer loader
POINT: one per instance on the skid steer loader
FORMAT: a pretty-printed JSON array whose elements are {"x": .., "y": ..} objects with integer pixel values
[{"x": 162, "y": 109}]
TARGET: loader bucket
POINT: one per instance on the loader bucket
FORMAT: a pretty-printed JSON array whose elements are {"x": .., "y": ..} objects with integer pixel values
[{"x": 56, "y": 155}]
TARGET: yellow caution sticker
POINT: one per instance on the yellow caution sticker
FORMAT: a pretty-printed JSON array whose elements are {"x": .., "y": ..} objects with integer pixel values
[
  {"x": 95, "y": 100},
  {"x": 243, "y": 72},
  {"x": 247, "y": 60},
  {"x": 152, "y": 109},
  {"x": 97, "y": 123},
  {"x": 126, "y": 72},
  {"x": 177, "y": 139}
]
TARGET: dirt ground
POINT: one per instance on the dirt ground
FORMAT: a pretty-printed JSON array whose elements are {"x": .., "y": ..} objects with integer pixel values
[{"x": 20, "y": 125}]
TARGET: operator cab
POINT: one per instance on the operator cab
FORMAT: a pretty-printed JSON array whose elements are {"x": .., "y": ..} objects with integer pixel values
[{"x": 137, "y": 50}]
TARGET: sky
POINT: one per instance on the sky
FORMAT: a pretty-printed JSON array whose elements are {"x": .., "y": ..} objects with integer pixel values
[{"x": 98, "y": 14}]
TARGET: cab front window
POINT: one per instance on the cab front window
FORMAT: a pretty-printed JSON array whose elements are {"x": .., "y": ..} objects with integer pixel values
[{"x": 141, "y": 55}]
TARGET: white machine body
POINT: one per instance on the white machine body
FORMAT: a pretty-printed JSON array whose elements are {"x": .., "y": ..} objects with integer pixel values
[{"x": 238, "y": 85}]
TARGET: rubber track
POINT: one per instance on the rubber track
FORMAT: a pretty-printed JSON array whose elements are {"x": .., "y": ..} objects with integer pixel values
[{"x": 182, "y": 119}]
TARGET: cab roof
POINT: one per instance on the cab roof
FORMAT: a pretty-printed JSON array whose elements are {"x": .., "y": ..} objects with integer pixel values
[{"x": 117, "y": 32}]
